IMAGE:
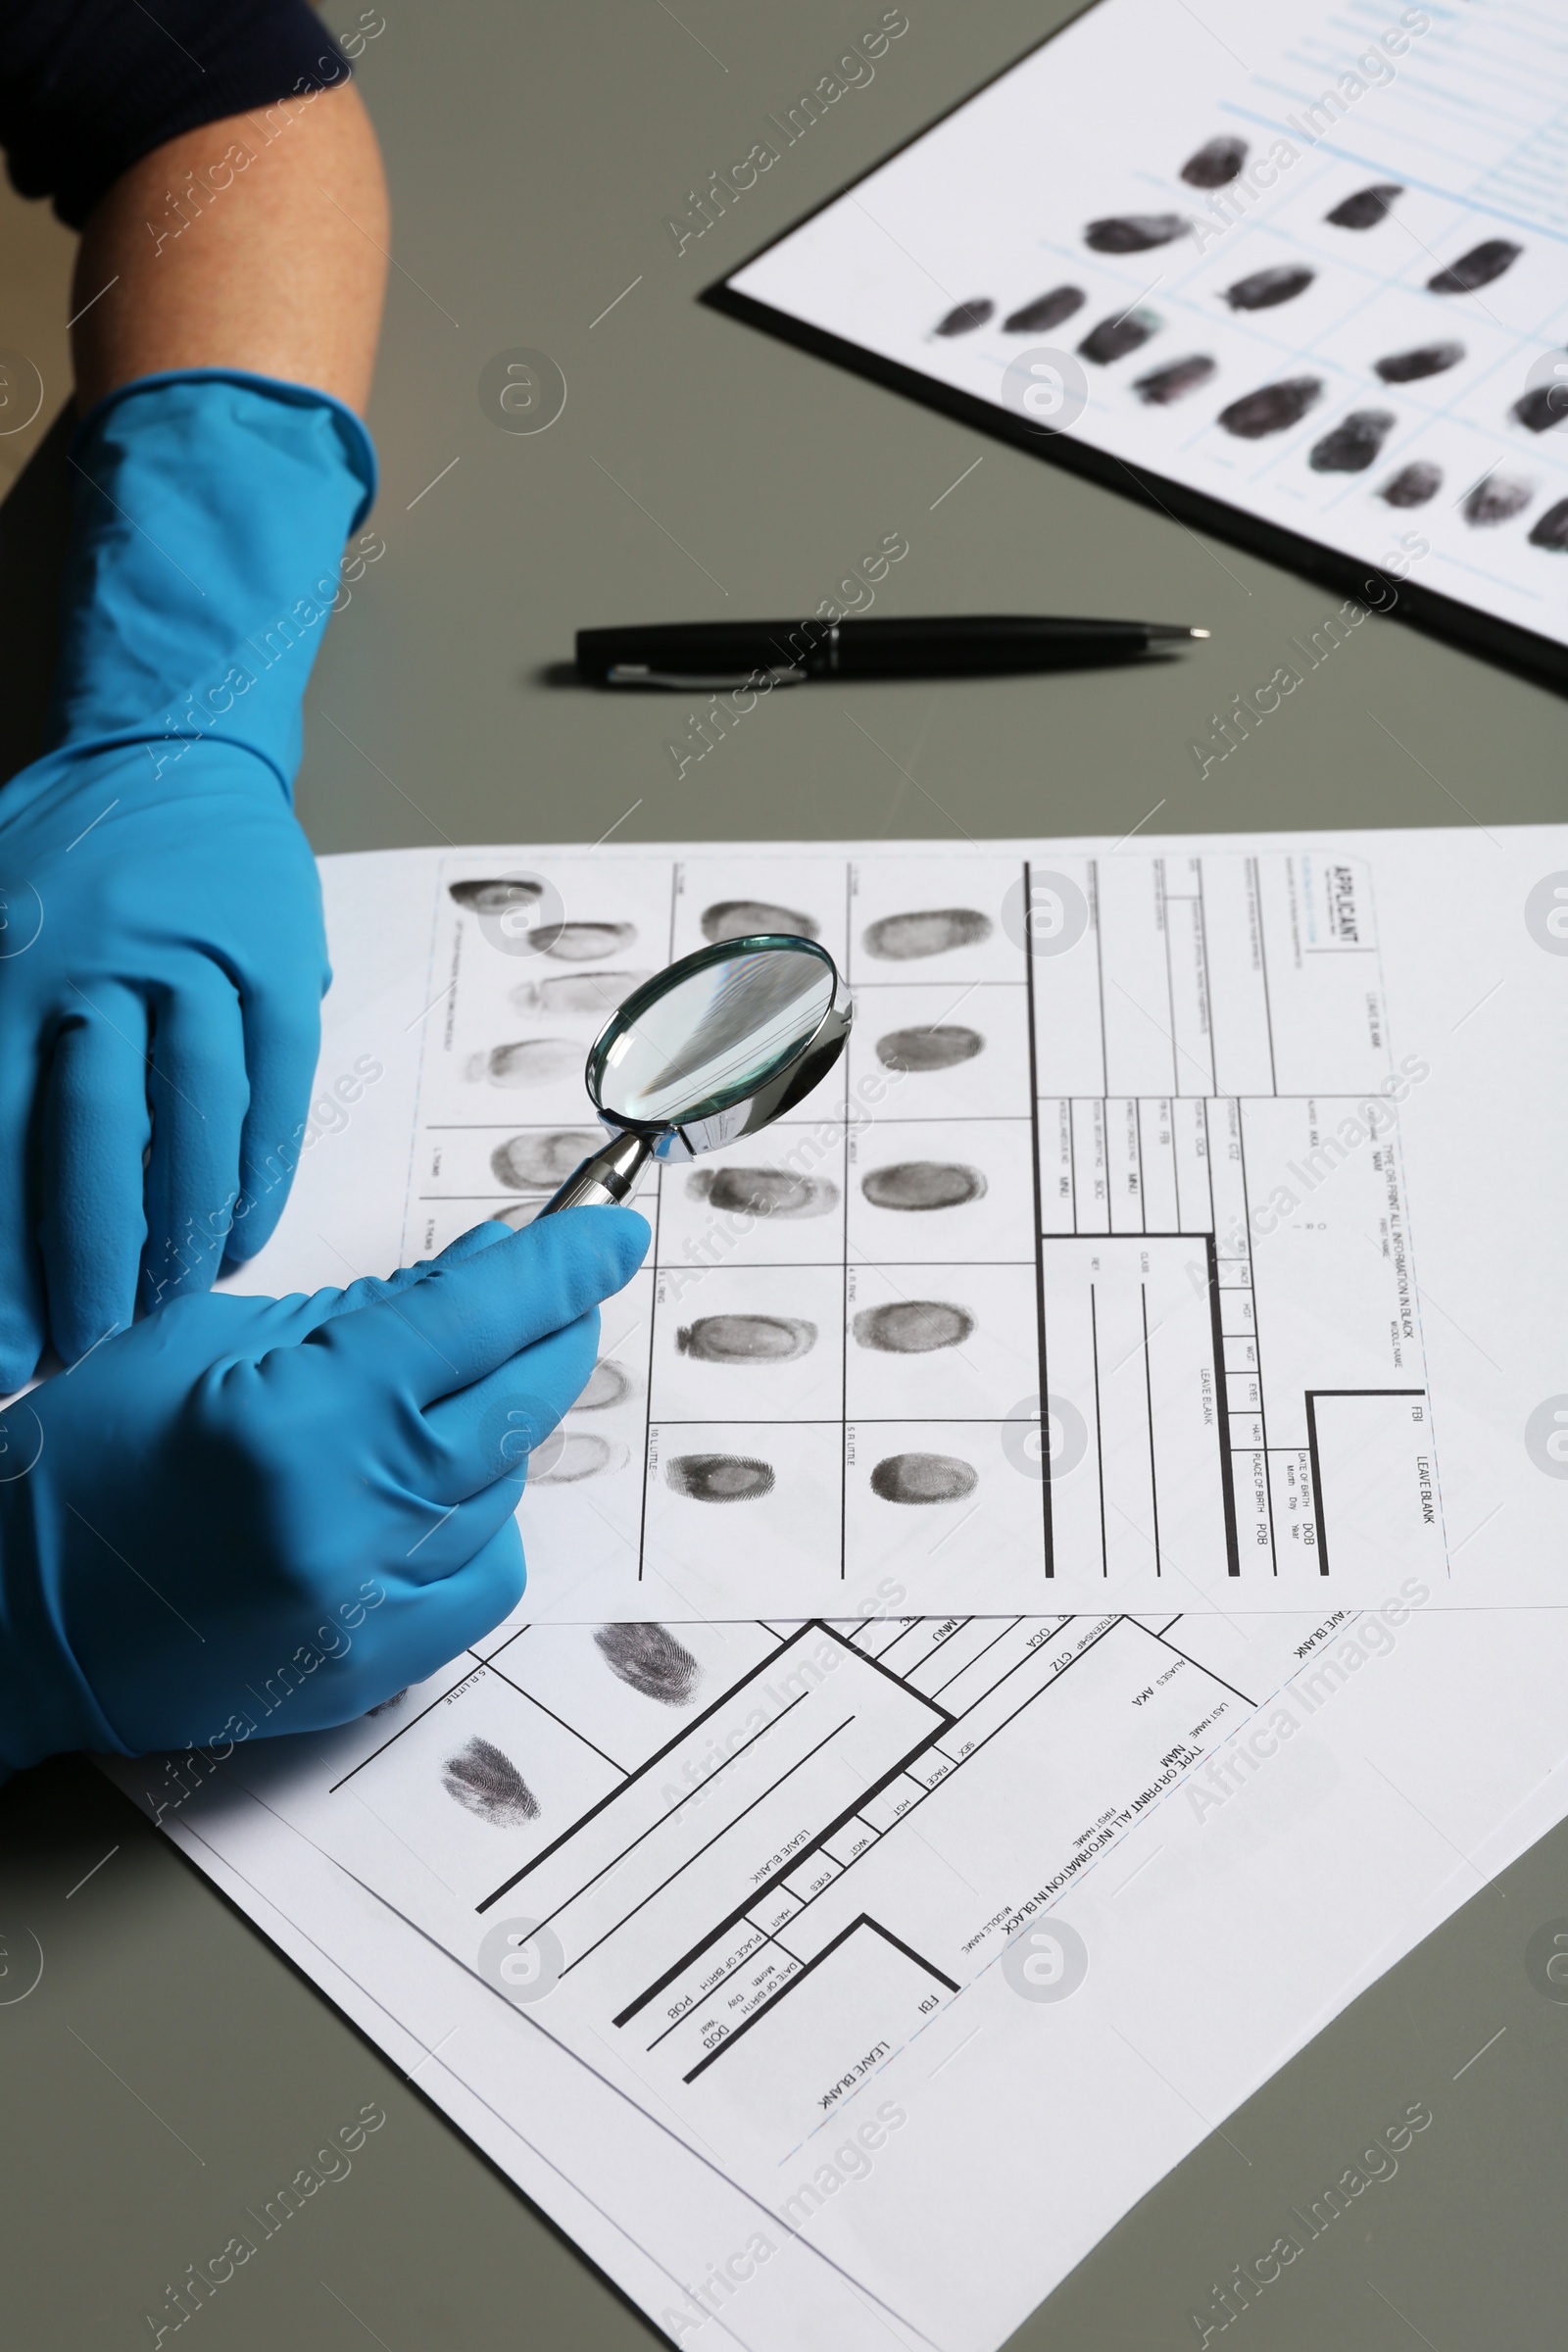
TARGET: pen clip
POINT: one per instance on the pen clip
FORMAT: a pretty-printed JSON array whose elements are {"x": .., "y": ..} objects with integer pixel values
[{"x": 639, "y": 673}]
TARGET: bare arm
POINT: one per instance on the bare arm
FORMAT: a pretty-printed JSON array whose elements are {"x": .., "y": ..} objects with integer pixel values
[{"x": 256, "y": 242}]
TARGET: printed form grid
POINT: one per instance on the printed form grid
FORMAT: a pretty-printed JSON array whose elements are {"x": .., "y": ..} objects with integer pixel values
[{"x": 1127, "y": 1374}]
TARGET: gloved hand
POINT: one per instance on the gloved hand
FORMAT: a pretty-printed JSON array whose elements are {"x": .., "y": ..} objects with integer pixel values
[
  {"x": 297, "y": 1505},
  {"x": 162, "y": 955}
]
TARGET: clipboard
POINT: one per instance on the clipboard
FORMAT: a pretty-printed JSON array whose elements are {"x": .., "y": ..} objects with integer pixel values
[{"x": 942, "y": 322}]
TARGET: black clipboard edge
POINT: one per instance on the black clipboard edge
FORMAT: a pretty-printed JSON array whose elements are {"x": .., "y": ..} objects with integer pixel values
[{"x": 1524, "y": 651}]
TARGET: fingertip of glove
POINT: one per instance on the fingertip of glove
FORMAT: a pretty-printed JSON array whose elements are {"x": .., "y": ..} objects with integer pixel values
[
  {"x": 17, "y": 1368},
  {"x": 631, "y": 1234},
  {"x": 248, "y": 1239},
  {"x": 486, "y": 1235},
  {"x": 20, "y": 1355},
  {"x": 618, "y": 1238},
  {"x": 479, "y": 1237}
]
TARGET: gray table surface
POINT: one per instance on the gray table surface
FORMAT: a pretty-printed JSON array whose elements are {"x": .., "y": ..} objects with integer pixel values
[{"x": 167, "y": 2067}]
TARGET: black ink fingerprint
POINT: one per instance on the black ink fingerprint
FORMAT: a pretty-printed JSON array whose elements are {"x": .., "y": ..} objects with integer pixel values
[
  {"x": 578, "y": 1455},
  {"x": 651, "y": 1659},
  {"x": 1413, "y": 484},
  {"x": 924, "y": 1478},
  {"x": 589, "y": 943},
  {"x": 1046, "y": 310},
  {"x": 720, "y": 1477},
  {"x": 594, "y": 993},
  {"x": 1264, "y": 289},
  {"x": 537, "y": 1163},
  {"x": 1114, "y": 338},
  {"x": 745, "y": 1339},
  {"x": 485, "y": 1781},
  {"x": 919, "y": 1184},
  {"x": 1162, "y": 385},
  {"x": 534, "y": 1061},
  {"x": 936, "y": 1049},
  {"x": 608, "y": 1383},
  {"x": 1552, "y": 530},
  {"x": 1409, "y": 367},
  {"x": 1544, "y": 405},
  {"x": 1366, "y": 208},
  {"x": 1352, "y": 444},
  {"x": 933, "y": 931},
  {"x": 1476, "y": 267},
  {"x": 764, "y": 1192},
  {"x": 739, "y": 918},
  {"x": 967, "y": 314},
  {"x": 913, "y": 1326},
  {"x": 1498, "y": 498},
  {"x": 496, "y": 897},
  {"x": 1215, "y": 164},
  {"x": 1273, "y": 407},
  {"x": 389, "y": 1702},
  {"x": 1134, "y": 232}
]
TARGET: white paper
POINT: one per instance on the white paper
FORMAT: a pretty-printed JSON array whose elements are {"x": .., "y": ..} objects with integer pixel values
[
  {"x": 795, "y": 2081},
  {"x": 819, "y": 2064},
  {"x": 652, "y": 2214},
  {"x": 1458, "y": 108},
  {"x": 1240, "y": 1154}
]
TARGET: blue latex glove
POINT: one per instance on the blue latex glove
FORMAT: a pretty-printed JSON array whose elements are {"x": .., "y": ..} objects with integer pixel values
[
  {"x": 162, "y": 955},
  {"x": 296, "y": 1504}
]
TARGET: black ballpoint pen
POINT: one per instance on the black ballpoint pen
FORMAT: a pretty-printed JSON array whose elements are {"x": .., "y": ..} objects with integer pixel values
[{"x": 788, "y": 652}]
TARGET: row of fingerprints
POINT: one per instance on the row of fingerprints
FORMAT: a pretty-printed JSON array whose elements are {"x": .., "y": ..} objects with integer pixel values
[{"x": 1352, "y": 444}]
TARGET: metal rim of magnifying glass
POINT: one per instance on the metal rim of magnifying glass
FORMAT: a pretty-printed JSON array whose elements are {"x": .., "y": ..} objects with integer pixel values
[
  {"x": 611, "y": 1173},
  {"x": 740, "y": 1110}
]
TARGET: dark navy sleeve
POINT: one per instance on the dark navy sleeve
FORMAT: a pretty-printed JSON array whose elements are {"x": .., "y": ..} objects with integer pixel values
[{"x": 87, "y": 87}]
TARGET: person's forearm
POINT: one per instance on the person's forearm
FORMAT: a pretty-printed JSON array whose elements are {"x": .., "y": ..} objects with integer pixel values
[{"x": 258, "y": 242}]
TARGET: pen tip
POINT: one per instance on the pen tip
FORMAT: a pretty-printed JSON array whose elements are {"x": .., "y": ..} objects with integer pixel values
[
  {"x": 1159, "y": 632},
  {"x": 1197, "y": 632}
]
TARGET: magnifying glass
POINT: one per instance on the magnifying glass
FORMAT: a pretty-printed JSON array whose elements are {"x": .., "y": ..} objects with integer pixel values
[{"x": 722, "y": 1044}]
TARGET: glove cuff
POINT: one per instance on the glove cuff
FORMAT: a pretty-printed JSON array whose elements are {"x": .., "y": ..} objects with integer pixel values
[
  {"x": 359, "y": 450},
  {"x": 211, "y": 508}
]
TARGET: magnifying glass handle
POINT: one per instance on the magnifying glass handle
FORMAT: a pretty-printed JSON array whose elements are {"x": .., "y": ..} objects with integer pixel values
[{"x": 607, "y": 1176}]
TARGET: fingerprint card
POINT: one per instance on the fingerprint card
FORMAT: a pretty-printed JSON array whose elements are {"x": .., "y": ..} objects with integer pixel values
[
  {"x": 1282, "y": 256},
  {"x": 1013, "y": 1309}
]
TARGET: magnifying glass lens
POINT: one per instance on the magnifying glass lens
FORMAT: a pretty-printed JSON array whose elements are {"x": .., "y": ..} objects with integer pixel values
[
  {"x": 715, "y": 1048},
  {"x": 716, "y": 1034}
]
